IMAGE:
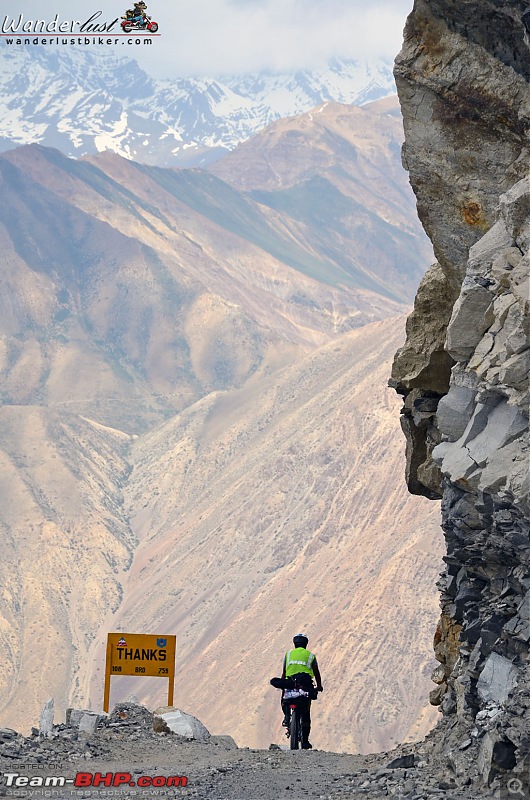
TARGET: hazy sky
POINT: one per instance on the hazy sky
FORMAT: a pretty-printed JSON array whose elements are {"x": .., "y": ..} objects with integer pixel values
[{"x": 223, "y": 36}]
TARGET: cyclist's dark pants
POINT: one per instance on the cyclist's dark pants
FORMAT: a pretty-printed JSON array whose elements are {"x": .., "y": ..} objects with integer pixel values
[
  {"x": 306, "y": 681},
  {"x": 305, "y": 708}
]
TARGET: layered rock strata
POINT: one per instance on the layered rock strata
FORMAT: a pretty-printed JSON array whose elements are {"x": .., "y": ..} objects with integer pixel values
[{"x": 462, "y": 79}]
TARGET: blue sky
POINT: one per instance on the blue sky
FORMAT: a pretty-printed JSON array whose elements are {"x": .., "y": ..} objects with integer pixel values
[{"x": 213, "y": 37}]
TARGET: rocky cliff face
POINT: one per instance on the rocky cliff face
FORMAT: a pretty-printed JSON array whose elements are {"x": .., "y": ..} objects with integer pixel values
[{"x": 462, "y": 78}]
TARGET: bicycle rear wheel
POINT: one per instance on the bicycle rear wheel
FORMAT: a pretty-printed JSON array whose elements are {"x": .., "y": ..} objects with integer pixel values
[{"x": 295, "y": 729}]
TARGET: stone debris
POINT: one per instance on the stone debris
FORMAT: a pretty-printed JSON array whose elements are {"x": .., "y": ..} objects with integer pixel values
[
  {"x": 84, "y": 721},
  {"x": 173, "y": 720},
  {"x": 217, "y": 768},
  {"x": 130, "y": 714},
  {"x": 402, "y": 762},
  {"x": 46, "y": 718},
  {"x": 497, "y": 679},
  {"x": 226, "y": 742},
  {"x": 88, "y": 723}
]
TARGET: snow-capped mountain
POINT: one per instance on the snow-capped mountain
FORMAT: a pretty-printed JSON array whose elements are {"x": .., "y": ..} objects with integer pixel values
[{"x": 85, "y": 102}]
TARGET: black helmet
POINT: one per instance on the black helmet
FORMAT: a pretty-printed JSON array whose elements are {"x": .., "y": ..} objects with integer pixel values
[{"x": 300, "y": 640}]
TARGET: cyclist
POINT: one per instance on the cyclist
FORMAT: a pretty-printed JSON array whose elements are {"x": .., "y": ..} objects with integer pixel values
[{"x": 302, "y": 663}]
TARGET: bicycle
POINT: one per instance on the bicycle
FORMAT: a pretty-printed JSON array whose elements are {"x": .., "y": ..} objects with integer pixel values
[
  {"x": 297, "y": 695},
  {"x": 294, "y": 731}
]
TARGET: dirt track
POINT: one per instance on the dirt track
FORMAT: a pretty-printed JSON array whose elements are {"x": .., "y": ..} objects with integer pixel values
[{"x": 218, "y": 770}]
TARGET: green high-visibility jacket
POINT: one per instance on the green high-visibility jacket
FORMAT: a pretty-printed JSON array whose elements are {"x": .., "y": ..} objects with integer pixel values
[{"x": 299, "y": 660}]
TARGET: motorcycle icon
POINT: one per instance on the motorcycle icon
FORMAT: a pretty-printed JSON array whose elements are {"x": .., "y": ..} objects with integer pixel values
[{"x": 143, "y": 24}]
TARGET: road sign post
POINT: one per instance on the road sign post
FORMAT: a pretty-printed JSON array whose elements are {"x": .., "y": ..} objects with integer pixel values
[{"x": 140, "y": 655}]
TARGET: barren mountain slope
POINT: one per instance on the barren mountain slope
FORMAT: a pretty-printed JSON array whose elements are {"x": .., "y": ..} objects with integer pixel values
[
  {"x": 278, "y": 157},
  {"x": 337, "y": 171},
  {"x": 282, "y": 507},
  {"x": 131, "y": 295},
  {"x": 65, "y": 546},
  {"x": 147, "y": 277}
]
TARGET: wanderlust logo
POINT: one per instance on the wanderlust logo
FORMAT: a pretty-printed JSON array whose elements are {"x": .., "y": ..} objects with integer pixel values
[
  {"x": 134, "y": 19},
  {"x": 94, "y": 24}
]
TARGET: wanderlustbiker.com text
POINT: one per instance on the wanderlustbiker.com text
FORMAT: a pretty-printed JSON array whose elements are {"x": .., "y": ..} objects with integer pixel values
[{"x": 80, "y": 40}]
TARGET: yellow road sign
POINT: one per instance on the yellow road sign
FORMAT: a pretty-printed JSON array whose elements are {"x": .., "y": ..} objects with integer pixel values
[{"x": 140, "y": 655}]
